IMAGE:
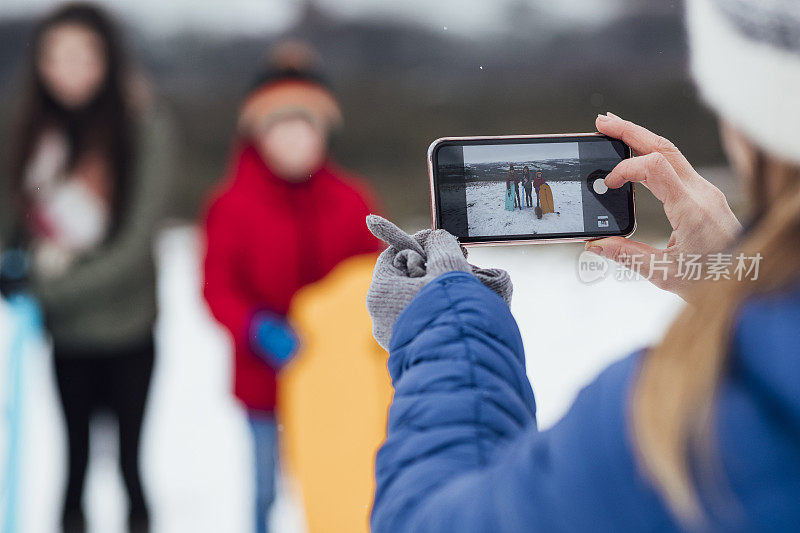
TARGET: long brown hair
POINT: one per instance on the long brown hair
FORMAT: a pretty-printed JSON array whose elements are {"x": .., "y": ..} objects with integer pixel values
[
  {"x": 672, "y": 407},
  {"x": 103, "y": 124}
]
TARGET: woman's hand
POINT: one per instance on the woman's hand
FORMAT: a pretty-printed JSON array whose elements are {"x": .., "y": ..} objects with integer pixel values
[
  {"x": 411, "y": 262},
  {"x": 702, "y": 222}
]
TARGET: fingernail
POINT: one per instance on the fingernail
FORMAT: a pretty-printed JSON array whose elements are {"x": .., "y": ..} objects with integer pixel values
[
  {"x": 595, "y": 250},
  {"x": 611, "y": 115},
  {"x": 602, "y": 118}
]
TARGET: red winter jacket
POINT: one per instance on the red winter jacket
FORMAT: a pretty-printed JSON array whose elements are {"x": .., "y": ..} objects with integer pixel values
[{"x": 265, "y": 239}]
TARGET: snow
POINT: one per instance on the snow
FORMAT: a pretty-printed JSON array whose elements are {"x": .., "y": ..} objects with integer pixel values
[
  {"x": 196, "y": 450},
  {"x": 487, "y": 216}
]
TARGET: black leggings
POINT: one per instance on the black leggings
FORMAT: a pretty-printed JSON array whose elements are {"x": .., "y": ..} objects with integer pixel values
[{"x": 117, "y": 381}]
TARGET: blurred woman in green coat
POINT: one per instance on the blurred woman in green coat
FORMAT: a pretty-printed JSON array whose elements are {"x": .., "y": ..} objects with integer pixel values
[{"x": 88, "y": 182}]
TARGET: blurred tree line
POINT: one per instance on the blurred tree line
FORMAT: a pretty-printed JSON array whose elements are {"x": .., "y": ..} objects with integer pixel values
[{"x": 403, "y": 85}]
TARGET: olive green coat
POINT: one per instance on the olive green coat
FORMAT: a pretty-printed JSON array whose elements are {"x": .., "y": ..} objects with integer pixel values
[{"x": 107, "y": 299}]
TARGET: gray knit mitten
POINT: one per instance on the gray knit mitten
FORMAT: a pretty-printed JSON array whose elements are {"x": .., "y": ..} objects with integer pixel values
[{"x": 409, "y": 264}]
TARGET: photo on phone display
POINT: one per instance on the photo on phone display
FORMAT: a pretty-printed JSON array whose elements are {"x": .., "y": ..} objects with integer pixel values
[{"x": 529, "y": 188}]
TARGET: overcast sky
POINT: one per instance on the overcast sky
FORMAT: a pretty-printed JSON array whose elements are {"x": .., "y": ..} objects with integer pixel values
[
  {"x": 505, "y": 153},
  {"x": 270, "y": 16}
]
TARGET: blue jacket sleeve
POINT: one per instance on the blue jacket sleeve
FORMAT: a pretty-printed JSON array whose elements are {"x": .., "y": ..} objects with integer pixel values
[{"x": 462, "y": 451}]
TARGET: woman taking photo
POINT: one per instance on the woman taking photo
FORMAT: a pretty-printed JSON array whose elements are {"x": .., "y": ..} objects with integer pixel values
[
  {"x": 86, "y": 187},
  {"x": 700, "y": 432}
]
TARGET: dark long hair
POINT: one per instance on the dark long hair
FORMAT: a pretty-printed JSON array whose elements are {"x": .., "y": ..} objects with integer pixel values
[{"x": 103, "y": 124}]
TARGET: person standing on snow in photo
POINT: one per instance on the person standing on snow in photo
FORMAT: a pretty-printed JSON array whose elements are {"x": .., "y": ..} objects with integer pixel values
[
  {"x": 512, "y": 181},
  {"x": 91, "y": 169},
  {"x": 510, "y": 200},
  {"x": 538, "y": 181},
  {"x": 285, "y": 217},
  {"x": 527, "y": 184},
  {"x": 544, "y": 196}
]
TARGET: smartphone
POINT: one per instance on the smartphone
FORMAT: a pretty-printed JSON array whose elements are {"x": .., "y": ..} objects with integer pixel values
[{"x": 529, "y": 188}]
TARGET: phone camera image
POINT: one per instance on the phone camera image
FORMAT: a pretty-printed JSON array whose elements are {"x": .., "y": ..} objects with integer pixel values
[{"x": 529, "y": 188}]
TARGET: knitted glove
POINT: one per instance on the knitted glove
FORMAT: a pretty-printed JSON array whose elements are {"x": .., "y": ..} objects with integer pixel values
[
  {"x": 409, "y": 264},
  {"x": 273, "y": 339}
]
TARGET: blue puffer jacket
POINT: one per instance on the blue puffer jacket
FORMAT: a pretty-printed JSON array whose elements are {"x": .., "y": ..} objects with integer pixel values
[{"x": 463, "y": 454}]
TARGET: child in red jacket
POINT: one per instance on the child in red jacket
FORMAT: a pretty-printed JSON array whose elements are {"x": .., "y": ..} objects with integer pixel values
[{"x": 286, "y": 216}]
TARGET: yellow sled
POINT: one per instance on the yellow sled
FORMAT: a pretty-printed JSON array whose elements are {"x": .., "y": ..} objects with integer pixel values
[
  {"x": 546, "y": 199},
  {"x": 333, "y": 400}
]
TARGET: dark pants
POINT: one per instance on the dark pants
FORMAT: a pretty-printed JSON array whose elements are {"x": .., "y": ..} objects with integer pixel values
[
  {"x": 117, "y": 381},
  {"x": 528, "y": 198},
  {"x": 517, "y": 202}
]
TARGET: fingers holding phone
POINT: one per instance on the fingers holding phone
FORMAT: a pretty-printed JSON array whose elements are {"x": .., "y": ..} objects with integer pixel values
[
  {"x": 579, "y": 187},
  {"x": 701, "y": 219},
  {"x": 643, "y": 141}
]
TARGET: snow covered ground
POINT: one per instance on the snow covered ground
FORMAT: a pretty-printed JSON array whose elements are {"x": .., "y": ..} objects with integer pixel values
[
  {"x": 487, "y": 216},
  {"x": 196, "y": 453}
]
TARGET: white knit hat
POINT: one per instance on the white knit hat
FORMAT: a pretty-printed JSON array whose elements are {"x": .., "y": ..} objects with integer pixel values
[{"x": 745, "y": 59}]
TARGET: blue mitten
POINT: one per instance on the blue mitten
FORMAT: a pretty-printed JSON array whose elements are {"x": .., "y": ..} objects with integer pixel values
[{"x": 273, "y": 339}]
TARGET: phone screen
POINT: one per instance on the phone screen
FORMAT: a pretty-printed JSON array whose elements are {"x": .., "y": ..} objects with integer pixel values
[{"x": 490, "y": 189}]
